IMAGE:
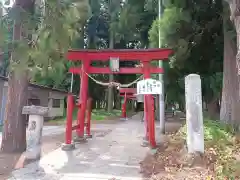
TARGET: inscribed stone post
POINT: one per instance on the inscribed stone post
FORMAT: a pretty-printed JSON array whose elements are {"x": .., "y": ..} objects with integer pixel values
[
  {"x": 34, "y": 130},
  {"x": 194, "y": 114}
]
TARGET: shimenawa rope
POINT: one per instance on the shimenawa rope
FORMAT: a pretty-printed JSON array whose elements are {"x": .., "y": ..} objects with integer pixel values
[{"x": 111, "y": 84}]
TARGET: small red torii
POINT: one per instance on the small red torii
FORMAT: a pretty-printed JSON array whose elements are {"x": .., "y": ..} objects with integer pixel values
[
  {"x": 127, "y": 93},
  {"x": 145, "y": 56}
]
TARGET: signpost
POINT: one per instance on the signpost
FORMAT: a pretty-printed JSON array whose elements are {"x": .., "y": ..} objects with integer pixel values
[
  {"x": 114, "y": 64},
  {"x": 149, "y": 86}
]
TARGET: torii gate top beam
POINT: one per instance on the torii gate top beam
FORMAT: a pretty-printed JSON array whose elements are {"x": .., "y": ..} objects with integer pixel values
[{"x": 122, "y": 54}]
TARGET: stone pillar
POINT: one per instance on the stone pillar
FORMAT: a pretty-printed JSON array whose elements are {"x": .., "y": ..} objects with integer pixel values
[
  {"x": 34, "y": 130},
  {"x": 194, "y": 114}
]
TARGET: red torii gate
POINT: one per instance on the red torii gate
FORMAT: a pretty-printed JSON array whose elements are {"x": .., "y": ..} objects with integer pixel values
[
  {"x": 127, "y": 93},
  {"x": 145, "y": 56}
]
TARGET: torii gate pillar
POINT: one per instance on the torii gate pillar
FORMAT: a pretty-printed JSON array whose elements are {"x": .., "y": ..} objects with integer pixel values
[
  {"x": 144, "y": 56},
  {"x": 83, "y": 96}
]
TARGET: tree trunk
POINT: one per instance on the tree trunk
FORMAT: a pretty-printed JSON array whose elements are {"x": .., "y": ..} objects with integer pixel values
[
  {"x": 229, "y": 76},
  {"x": 117, "y": 100},
  {"x": 235, "y": 17},
  {"x": 14, "y": 129},
  {"x": 213, "y": 109},
  {"x": 229, "y": 65}
]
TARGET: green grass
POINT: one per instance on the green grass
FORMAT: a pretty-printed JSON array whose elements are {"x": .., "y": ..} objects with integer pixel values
[
  {"x": 97, "y": 114},
  {"x": 102, "y": 114},
  {"x": 214, "y": 131},
  {"x": 220, "y": 140},
  {"x": 0, "y": 128}
]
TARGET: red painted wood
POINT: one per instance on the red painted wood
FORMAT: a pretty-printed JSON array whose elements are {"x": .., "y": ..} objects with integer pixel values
[
  {"x": 152, "y": 122},
  {"x": 128, "y": 90},
  {"x": 149, "y": 110},
  {"x": 124, "y": 55},
  {"x": 124, "y": 107},
  {"x": 106, "y": 70},
  {"x": 83, "y": 96},
  {"x": 75, "y": 127}
]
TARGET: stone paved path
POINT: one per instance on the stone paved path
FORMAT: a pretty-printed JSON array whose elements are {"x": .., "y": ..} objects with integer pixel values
[{"x": 114, "y": 153}]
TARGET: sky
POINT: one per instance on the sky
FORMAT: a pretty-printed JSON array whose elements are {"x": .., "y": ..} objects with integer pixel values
[{"x": 6, "y": 4}]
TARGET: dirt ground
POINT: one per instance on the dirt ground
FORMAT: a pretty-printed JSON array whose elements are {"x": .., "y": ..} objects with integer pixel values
[
  {"x": 8, "y": 161},
  {"x": 172, "y": 162}
]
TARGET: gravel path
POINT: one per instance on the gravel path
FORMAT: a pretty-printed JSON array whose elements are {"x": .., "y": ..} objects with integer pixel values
[{"x": 114, "y": 152}]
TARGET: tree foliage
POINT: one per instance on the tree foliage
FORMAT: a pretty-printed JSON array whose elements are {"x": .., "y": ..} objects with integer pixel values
[
  {"x": 194, "y": 31},
  {"x": 53, "y": 28},
  {"x": 130, "y": 21}
]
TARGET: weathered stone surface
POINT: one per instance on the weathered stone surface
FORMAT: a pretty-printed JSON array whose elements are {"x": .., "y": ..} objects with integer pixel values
[
  {"x": 34, "y": 137},
  {"x": 35, "y": 110},
  {"x": 194, "y": 114},
  {"x": 68, "y": 147}
]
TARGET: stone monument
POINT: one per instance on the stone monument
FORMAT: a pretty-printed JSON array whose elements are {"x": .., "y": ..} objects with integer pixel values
[
  {"x": 194, "y": 114},
  {"x": 34, "y": 130}
]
